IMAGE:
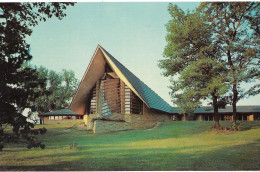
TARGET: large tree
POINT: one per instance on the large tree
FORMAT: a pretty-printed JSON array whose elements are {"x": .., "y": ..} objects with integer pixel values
[
  {"x": 225, "y": 32},
  {"x": 236, "y": 28},
  {"x": 58, "y": 90},
  {"x": 17, "y": 84},
  {"x": 192, "y": 60}
]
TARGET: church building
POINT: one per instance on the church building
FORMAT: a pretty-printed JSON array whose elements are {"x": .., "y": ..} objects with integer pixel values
[{"x": 112, "y": 98}]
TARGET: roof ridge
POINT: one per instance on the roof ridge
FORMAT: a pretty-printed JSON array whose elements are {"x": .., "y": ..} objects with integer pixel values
[{"x": 144, "y": 96}]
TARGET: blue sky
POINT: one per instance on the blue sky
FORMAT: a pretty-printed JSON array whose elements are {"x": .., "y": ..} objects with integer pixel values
[{"x": 134, "y": 33}]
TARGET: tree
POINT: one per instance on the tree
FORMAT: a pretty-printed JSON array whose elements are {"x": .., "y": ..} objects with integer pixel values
[
  {"x": 192, "y": 61},
  {"x": 17, "y": 84},
  {"x": 58, "y": 90},
  {"x": 201, "y": 80},
  {"x": 225, "y": 32},
  {"x": 236, "y": 28}
]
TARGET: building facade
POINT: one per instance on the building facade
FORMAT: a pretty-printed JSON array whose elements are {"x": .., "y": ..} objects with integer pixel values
[{"x": 112, "y": 98}]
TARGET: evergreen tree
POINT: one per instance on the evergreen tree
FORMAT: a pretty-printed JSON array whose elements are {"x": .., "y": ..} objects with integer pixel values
[
  {"x": 236, "y": 28},
  {"x": 192, "y": 60},
  {"x": 226, "y": 34}
]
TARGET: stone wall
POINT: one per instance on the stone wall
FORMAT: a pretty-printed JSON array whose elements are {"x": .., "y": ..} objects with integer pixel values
[
  {"x": 89, "y": 122},
  {"x": 115, "y": 116},
  {"x": 88, "y": 119},
  {"x": 85, "y": 119},
  {"x": 132, "y": 121},
  {"x": 102, "y": 126},
  {"x": 115, "y": 121},
  {"x": 149, "y": 117},
  {"x": 145, "y": 120}
]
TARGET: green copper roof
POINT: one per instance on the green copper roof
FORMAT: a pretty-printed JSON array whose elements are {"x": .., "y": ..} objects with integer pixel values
[
  {"x": 227, "y": 109},
  {"x": 61, "y": 112},
  {"x": 152, "y": 99}
]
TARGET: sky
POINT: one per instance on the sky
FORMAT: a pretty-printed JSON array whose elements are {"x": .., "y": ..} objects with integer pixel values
[{"x": 134, "y": 33}]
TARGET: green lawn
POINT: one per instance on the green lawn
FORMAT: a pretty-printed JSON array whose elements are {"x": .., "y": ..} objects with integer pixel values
[{"x": 177, "y": 145}]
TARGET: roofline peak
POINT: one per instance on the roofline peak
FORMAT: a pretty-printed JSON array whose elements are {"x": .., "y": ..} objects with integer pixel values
[{"x": 99, "y": 46}]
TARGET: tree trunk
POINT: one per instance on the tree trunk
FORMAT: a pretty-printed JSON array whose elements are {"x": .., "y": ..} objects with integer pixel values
[
  {"x": 234, "y": 106},
  {"x": 234, "y": 90},
  {"x": 216, "y": 114}
]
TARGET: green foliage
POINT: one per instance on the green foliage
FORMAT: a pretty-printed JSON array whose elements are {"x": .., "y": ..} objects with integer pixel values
[
  {"x": 210, "y": 48},
  {"x": 187, "y": 41},
  {"x": 20, "y": 85},
  {"x": 58, "y": 90},
  {"x": 197, "y": 82},
  {"x": 236, "y": 28},
  {"x": 206, "y": 76},
  {"x": 192, "y": 61}
]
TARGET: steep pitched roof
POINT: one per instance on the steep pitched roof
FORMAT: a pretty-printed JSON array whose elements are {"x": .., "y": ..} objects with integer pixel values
[
  {"x": 99, "y": 59},
  {"x": 152, "y": 99},
  {"x": 60, "y": 112}
]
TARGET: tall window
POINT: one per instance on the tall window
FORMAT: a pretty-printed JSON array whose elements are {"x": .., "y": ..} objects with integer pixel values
[
  {"x": 127, "y": 100},
  {"x": 93, "y": 101},
  {"x": 133, "y": 105},
  {"x": 109, "y": 97}
]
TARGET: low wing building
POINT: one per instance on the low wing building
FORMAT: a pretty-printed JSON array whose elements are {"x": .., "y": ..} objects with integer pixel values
[
  {"x": 61, "y": 114},
  {"x": 244, "y": 113}
]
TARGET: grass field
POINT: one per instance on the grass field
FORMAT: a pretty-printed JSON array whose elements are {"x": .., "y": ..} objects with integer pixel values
[{"x": 177, "y": 145}]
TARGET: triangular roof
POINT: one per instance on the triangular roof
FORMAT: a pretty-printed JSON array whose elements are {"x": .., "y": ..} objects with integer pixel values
[{"x": 146, "y": 94}]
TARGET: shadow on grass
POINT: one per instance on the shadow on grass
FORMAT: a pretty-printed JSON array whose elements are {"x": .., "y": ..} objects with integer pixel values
[
  {"x": 240, "y": 157},
  {"x": 99, "y": 152},
  {"x": 178, "y": 129}
]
